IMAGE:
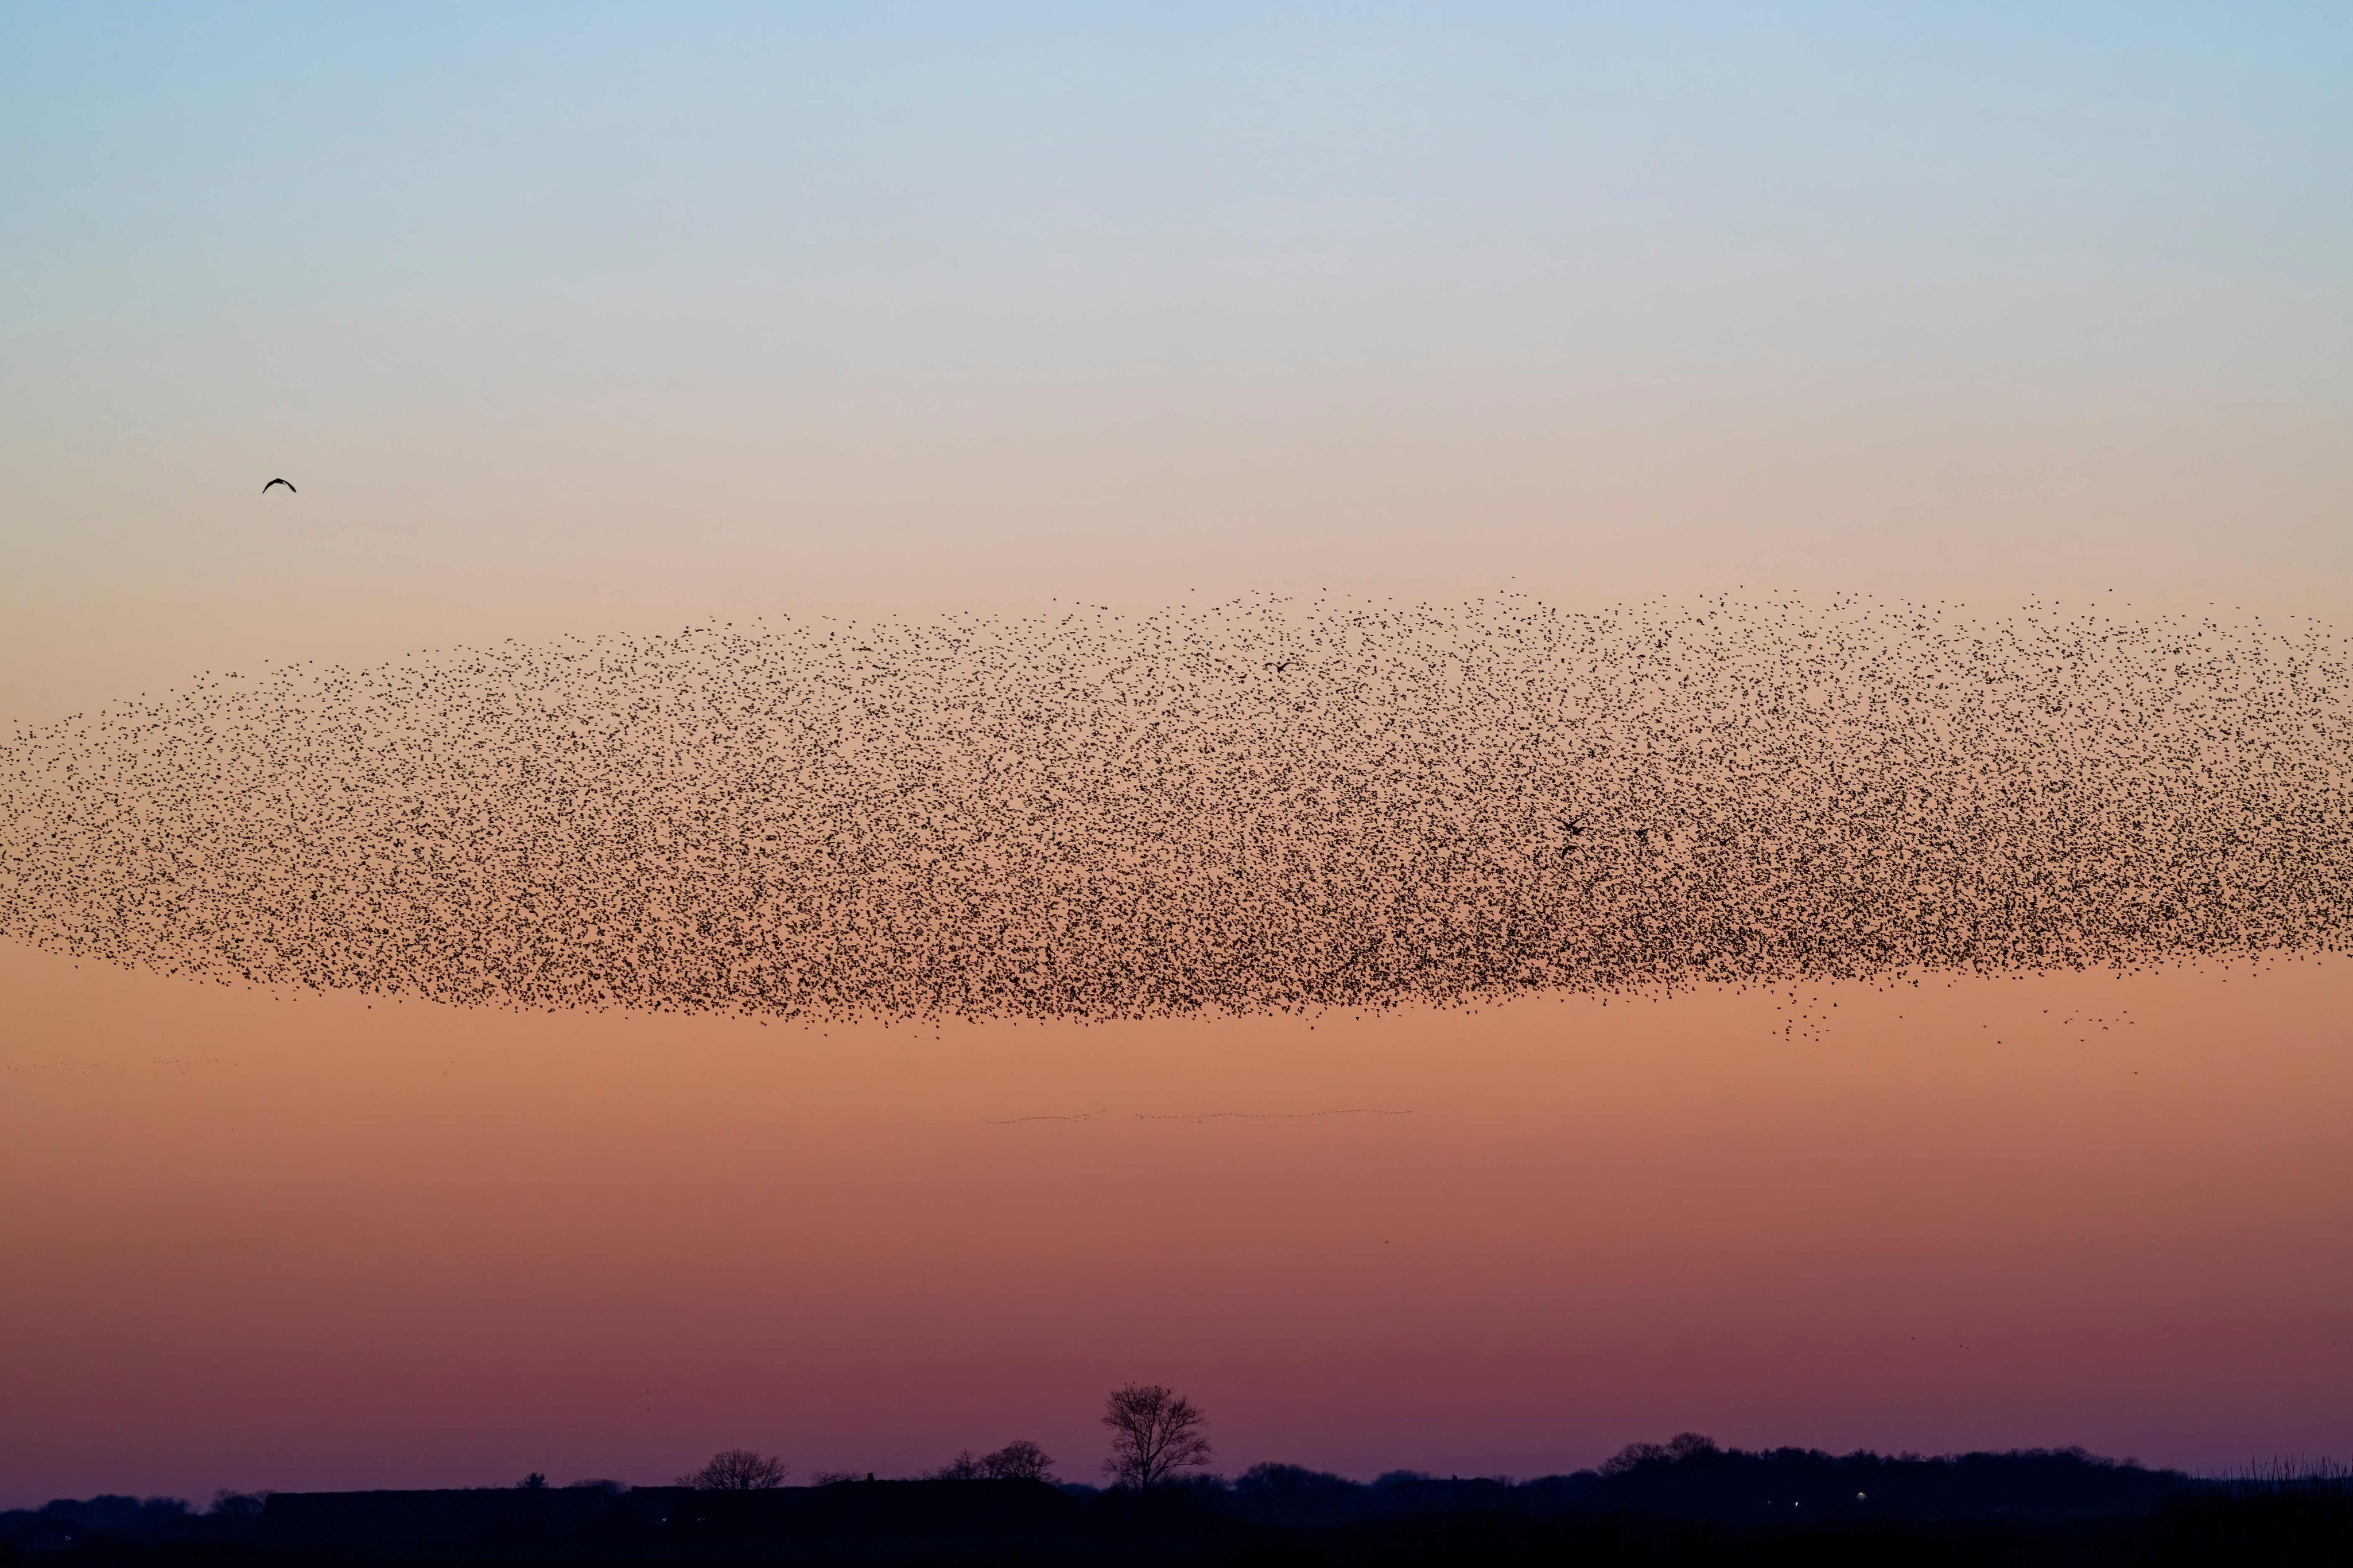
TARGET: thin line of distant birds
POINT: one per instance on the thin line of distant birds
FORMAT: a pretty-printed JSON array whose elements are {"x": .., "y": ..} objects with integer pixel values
[{"x": 1201, "y": 1116}]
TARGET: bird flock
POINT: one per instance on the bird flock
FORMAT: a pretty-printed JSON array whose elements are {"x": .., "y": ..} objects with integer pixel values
[{"x": 1266, "y": 806}]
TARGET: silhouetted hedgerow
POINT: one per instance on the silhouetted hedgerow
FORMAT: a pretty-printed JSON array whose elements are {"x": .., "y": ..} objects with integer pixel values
[{"x": 1686, "y": 1502}]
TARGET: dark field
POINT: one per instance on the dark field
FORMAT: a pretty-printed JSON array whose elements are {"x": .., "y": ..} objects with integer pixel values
[{"x": 1676, "y": 1504}]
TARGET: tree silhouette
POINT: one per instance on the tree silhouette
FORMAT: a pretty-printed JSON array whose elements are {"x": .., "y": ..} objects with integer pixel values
[
  {"x": 736, "y": 1470},
  {"x": 1020, "y": 1461},
  {"x": 1155, "y": 1434},
  {"x": 1685, "y": 1447},
  {"x": 1633, "y": 1456}
]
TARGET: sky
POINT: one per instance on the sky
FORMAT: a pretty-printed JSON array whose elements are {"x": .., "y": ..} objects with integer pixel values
[{"x": 582, "y": 320}]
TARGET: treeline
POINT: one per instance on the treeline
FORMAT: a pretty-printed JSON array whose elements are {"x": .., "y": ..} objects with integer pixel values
[
  {"x": 1691, "y": 1478},
  {"x": 1686, "y": 1501}
]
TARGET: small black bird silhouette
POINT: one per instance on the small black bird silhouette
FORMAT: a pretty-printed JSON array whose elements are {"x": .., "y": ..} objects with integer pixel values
[{"x": 289, "y": 484}]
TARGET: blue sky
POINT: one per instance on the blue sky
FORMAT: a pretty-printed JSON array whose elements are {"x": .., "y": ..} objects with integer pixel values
[
  {"x": 1074, "y": 164},
  {"x": 552, "y": 303}
]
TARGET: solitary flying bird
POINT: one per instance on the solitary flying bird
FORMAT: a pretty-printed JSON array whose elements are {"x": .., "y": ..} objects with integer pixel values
[{"x": 290, "y": 487}]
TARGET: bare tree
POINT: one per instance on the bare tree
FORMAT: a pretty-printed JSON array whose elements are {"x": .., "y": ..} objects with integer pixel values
[
  {"x": 1686, "y": 1448},
  {"x": 1020, "y": 1461},
  {"x": 1633, "y": 1456},
  {"x": 1155, "y": 1434},
  {"x": 737, "y": 1470}
]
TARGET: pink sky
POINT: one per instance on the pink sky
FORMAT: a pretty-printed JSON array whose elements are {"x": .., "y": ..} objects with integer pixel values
[{"x": 307, "y": 1242}]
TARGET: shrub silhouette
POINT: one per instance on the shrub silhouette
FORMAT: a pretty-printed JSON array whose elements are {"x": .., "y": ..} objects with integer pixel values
[
  {"x": 737, "y": 1470},
  {"x": 1020, "y": 1460}
]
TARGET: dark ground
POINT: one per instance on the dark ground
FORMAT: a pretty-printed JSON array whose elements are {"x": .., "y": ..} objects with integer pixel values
[{"x": 2020, "y": 1510}]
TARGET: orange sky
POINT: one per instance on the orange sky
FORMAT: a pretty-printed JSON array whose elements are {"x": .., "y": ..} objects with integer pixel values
[{"x": 306, "y": 1242}]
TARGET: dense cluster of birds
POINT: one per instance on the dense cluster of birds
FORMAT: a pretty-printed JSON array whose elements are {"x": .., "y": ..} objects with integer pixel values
[{"x": 1270, "y": 804}]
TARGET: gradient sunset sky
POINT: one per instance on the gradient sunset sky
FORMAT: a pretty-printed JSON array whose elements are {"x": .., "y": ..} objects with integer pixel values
[{"x": 597, "y": 318}]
